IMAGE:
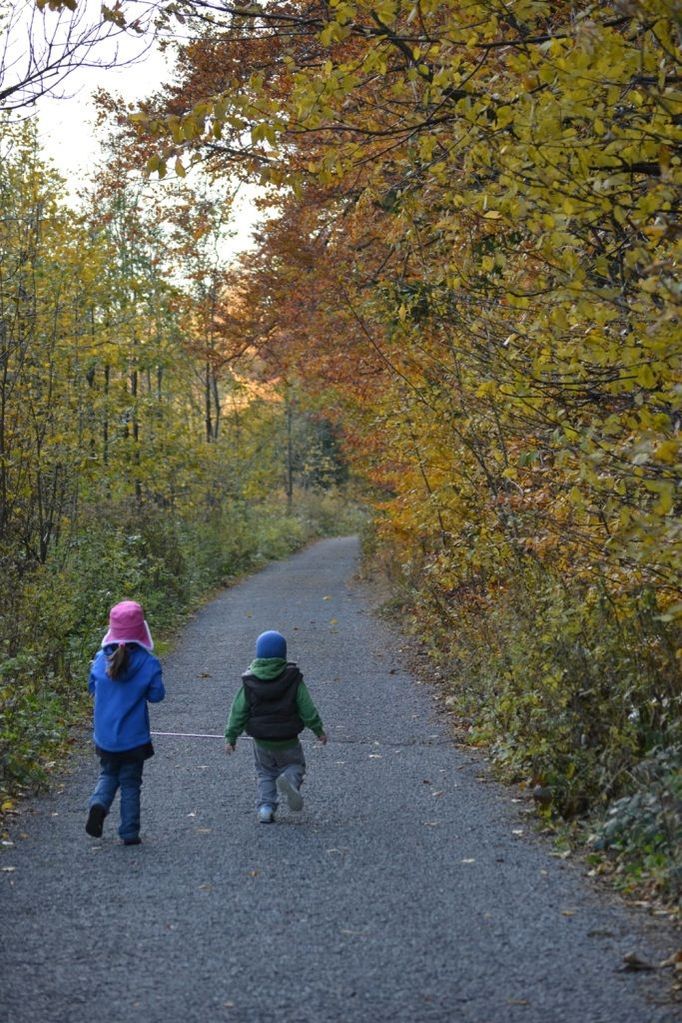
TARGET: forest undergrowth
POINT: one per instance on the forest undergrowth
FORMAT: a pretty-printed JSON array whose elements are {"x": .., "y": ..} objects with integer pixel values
[{"x": 573, "y": 699}]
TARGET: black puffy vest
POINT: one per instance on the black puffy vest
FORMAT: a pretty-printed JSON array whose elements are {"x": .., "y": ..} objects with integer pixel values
[{"x": 272, "y": 705}]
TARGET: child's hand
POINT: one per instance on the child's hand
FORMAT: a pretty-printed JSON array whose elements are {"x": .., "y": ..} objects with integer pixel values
[
  {"x": 230, "y": 747},
  {"x": 323, "y": 738}
]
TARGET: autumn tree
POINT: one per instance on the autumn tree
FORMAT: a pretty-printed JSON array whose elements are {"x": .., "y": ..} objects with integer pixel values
[
  {"x": 477, "y": 144},
  {"x": 477, "y": 255},
  {"x": 47, "y": 276}
]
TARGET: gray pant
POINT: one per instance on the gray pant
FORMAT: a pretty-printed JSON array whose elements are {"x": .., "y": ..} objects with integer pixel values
[{"x": 270, "y": 764}]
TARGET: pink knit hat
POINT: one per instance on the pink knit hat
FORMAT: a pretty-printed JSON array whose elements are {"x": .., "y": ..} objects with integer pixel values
[{"x": 127, "y": 625}]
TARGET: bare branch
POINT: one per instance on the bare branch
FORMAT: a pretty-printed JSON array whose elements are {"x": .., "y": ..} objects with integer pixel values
[{"x": 39, "y": 49}]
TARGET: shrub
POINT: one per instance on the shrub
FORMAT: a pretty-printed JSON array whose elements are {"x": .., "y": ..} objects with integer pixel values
[
  {"x": 642, "y": 831},
  {"x": 571, "y": 690}
]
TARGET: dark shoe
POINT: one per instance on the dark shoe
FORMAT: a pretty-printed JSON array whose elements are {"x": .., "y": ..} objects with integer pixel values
[
  {"x": 95, "y": 820},
  {"x": 132, "y": 841}
]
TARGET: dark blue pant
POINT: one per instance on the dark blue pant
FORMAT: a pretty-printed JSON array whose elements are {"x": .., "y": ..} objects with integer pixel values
[{"x": 127, "y": 777}]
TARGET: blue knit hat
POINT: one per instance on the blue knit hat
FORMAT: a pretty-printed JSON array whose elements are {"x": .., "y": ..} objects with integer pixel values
[{"x": 271, "y": 644}]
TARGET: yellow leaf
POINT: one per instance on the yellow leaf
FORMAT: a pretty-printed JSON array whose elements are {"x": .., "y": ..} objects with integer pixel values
[
  {"x": 667, "y": 452},
  {"x": 645, "y": 377},
  {"x": 665, "y": 502}
]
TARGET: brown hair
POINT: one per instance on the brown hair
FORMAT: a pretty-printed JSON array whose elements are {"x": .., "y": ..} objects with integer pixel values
[{"x": 118, "y": 661}]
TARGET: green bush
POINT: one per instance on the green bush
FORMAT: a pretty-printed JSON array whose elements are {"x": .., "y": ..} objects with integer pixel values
[
  {"x": 32, "y": 721},
  {"x": 566, "y": 692},
  {"x": 642, "y": 831},
  {"x": 570, "y": 691},
  {"x": 330, "y": 512}
]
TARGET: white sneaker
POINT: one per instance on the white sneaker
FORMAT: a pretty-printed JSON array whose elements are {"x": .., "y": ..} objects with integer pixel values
[
  {"x": 266, "y": 814},
  {"x": 292, "y": 795}
]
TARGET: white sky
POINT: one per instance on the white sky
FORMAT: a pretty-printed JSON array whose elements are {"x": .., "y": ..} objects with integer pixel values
[
  {"x": 66, "y": 126},
  {"x": 66, "y": 121}
]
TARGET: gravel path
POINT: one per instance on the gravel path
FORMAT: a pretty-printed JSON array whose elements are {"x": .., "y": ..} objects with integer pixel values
[{"x": 402, "y": 892}]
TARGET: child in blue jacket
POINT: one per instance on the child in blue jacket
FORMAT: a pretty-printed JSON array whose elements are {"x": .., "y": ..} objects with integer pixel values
[{"x": 124, "y": 677}]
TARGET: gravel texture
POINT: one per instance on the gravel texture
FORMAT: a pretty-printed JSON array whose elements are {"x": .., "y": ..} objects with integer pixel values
[{"x": 410, "y": 888}]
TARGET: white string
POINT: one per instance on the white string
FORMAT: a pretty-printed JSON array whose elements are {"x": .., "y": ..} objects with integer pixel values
[{"x": 190, "y": 735}]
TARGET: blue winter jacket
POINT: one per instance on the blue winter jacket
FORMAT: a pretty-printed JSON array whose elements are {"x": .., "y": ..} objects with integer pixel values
[{"x": 121, "y": 718}]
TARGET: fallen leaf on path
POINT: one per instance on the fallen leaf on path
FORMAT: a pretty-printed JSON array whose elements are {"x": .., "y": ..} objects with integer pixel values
[
  {"x": 203, "y": 831},
  {"x": 253, "y": 873},
  {"x": 431, "y": 824},
  {"x": 205, "y": 674},
  {"x": 439, "y": 792},
  {"x": 327, "y": 598},
  {"x": 633, "y": 962},
  {"x": 205, "y": 887},
  {"x": 518, "y": 1001},
  {"x": 568, "y": 912},
  {"x": 675, "y": 960}
]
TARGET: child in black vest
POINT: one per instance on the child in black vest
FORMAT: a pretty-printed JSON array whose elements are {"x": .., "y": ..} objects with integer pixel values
[{"x": 273, "y": 706}]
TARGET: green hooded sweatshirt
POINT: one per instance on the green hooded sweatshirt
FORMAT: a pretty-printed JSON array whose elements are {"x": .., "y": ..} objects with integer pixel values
[{"x": 267, "y": 668}]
